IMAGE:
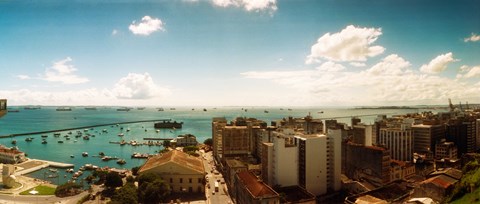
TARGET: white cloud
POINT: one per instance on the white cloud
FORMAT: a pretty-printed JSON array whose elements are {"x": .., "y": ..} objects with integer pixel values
[
  {"x": 62, "y": 71},
  {"x": 439, "y": 64},
  {"x": 473, "y": 38},
  {"x": 350, "y": 44},
  {"x": 390, "y": 65},
  {"x": 358, "y": 64},
  {"x": 138, "y": 86},
  {"x": 470, "y": 72},
  {"x": 23, "y": 77},
  {"x": 114, "y": 31},
  {"x": 330, "y": 67},
  {"x": 147, "y": 26},
  {"x": 249, "y": 5},
  {"x": 391, "y": 81}
]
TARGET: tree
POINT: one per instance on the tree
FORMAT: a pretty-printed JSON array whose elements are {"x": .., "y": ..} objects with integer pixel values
[
  {"x": 135, "y": 170},
  {"x": 126, "y": 195},
  {"x": 208, "y": 141},
  {"x": 151, "y": 188},
  {"x": 166, "y": 143},
  {"x": 101, "y": 175},
  {"x": 68, "y": 189},
  {"x": 113, "y": 180},
  {"x": 154, "y": 192}
]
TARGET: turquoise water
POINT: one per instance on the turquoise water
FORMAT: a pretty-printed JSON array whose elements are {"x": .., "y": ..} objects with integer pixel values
[{"x": 196, "y": 122}]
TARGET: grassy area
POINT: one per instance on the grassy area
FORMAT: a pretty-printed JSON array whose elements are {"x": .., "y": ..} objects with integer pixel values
[
  {"x": 473, "y": 198},
  {"x": 42, "y": 190}
]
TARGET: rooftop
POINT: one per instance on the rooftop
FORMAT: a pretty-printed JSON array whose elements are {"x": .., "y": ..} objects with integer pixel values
[
  {"x": 256, "y": 187},
  {"x": 4, "y": 149},
  {"x": 296, "y": 194},
  {"x": 177, "y": 157},
  {"x": 441, "y": 181}
]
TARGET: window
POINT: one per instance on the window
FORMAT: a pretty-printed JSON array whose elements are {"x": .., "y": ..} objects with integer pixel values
[
  {"x": 171, "y": 180},
  {"x": 181, "y": 180},
  {"x": 199, "y": 180},
  {"x": 190, "y": 180}
]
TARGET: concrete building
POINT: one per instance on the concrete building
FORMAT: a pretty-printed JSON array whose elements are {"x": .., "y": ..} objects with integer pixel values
[
  {"x": 362, "y": 134},
  {"x": 368, "y": 162},
  {"x": 250, "y": 190},
  {"x": 217, "y": 135},
  {"x": 3, "y": 107},
  {"x": 425, "y": 137},
  {"x": 312, "y": 173},
  {"x": 184, "y": 173},
  {"x": 334, "y": 159},
  {"x": 233, "y": 166},
  {"x": 267, "y": 163},
  {"x": 400, "y": 170},
  {"x": 11, "y": 156},
  {"x": 446, "y": 150},
  {"x": 284, "y": 160},
  {"x": 399, "y": 141},
  {"x": 462, "y": 131},
  {"x": 307, "y": 124},
  {"x": 236, "y": 140}
]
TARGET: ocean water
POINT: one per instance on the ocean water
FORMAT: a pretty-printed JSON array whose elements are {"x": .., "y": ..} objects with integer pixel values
[{"x": 196, "y": 122}]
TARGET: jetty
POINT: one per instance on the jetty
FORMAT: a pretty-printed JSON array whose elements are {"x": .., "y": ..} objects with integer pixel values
[
  {"x": 32, "y": 165},
  {"x": 154, "y": 138},
  {"x": 83, "y": 127}
]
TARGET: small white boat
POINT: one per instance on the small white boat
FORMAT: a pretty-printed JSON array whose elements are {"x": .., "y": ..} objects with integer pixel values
[{"x": 121, "y": 135}]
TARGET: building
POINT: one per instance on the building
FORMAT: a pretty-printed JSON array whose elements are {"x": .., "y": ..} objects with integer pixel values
[
  {"x": 184, "y": 173},
  {"x": 251, "y": 190},
  {"x": 284, "y": 160},
  {"x": 437, "y": 187},
  {"x": 370, "y": 163},
  {"x": 312, "y": 174},
  {"x": 3, "y": 107},
  {"x": 462, "y": 131},
  {"x": 400, "y": 170},
  {"x": 334, "y": 159},
  {"x": 425, "y": 137},
  {"x": 267, "y": 163},
  {"x": 394, "y": 192},
  {"x": 233, "y": 166},
  {"x": 295, "y": 195},
  {"x": 307, "y": 124},
  {"x": 362, "y": 134},
  {"x": 236, "y": 141},
  {"x": 11, "y": 156},
  {"x": 185, "y": 140},
  {"x": 399, "y": 141},
  {"x": 446, "y": 150},
  {"x": 217, "y": 135}
]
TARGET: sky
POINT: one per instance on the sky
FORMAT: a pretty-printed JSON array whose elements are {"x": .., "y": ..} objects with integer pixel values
[{"x": 239, "y": 52}]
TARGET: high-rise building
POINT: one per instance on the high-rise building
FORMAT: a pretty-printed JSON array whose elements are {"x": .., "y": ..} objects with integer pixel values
[
  {"x": 368, "y": 162},
  {"x": 425, "y": 137},
  {"x": 334, "y": 159},
  {"x": 362, "y": 134},
  {"x": 463, "y": 132},
  {"x": 398, "y": 141},
  {"x": 218, "y": 125}
]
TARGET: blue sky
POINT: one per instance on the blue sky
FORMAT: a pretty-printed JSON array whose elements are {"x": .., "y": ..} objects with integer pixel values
[{"x": 239, "y": 52}]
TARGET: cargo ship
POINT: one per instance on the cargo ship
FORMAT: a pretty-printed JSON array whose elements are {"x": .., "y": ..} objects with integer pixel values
[{"x": 168, "y": 124}]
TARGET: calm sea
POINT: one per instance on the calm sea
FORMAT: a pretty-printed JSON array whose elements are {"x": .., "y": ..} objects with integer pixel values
[{"x": 196, "y": 122}]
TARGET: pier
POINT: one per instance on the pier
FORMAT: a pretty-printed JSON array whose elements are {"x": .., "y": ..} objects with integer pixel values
[
  {"x": 36, "y": 164},
  {"x": 154, "y": 138},
  {"x": 84, "y": 127}
]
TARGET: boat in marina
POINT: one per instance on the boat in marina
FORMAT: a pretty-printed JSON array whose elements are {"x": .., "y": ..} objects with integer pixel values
[
  {"x": 60, "y": 141},
  {"x": 14, "y": 142},
  {"x": 86, "y": 137},
  {"x": 85, "y": 154},
  {"x": 29, "y": 139},
  {"x": 121, "y": 135},
  {"x": 44, "y": 141},
  {"x": 57, "y": 134},
  {"x": 44, "y": 135},
  {"x": 121, "y": 161}
]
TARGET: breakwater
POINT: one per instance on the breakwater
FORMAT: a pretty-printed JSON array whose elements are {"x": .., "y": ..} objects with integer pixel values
[{"x": 83, "y": 127}]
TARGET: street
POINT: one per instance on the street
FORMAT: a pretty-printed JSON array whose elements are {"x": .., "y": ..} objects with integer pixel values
[{"x": 213, "y": 176}]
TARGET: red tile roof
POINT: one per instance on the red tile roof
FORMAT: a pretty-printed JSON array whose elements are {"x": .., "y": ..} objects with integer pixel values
[
  {"x": 177, "y": 157},
  {"x": 254, "y": 186}
]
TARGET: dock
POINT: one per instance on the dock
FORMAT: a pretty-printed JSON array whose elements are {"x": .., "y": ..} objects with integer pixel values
[
  {"x": 155, "y": 138},
  {"x": 36, "y": 164}
]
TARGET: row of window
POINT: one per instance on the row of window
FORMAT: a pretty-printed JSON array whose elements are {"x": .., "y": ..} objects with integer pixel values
[{"x": 190, "y": 180}]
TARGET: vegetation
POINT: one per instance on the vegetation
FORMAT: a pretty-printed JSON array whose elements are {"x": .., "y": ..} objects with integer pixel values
[
  {"x": 191, "y": 150},
  {"x": 166, "y": 144},
  {"x": 152, "y": 189},
  {"x": 135, "y": 170},
  {"x": 468, "y": 187},
  {"x": 113, "y": 180},
  {"x": 125, "y": 195},
  {"x": 208, "y": 141},
  {"x": 42, "y": 190},
  {"x": 86, "y": 198},
  {"x": 68, "y": 189},
  {"x": 101, "y": 175}
]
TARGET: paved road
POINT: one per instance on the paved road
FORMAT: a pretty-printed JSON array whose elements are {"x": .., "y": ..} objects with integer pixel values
[{"x": 214, "y": 197}]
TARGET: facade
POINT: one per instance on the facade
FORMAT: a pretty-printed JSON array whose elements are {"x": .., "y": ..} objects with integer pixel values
[
  {"x": 250, "y": 190},
  {"x": 425, "y": 137},
  {"x": 236, "y": 140},
  {"x": 401, "y": 170},
  {"x": 184, "y": 173},
  {"x": 368, "y": 162},
  {"x": 362, "y": 134},
  {"x": 284, "y": 160},
  {"x": 462, "y": 131},
  {"x": 217, "y": 133},
  {"x": 3, "y": 107},
  {"x": 11, "y": 156},
  {"x": 233, "y": 166},
  {"x": 446, "y": 150},
  {"x": 267, "y": 163},
  {"x": 312, "y": 173},
  {"x": 334, "y": 159},
  {"x": 399, "y": 141}
]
